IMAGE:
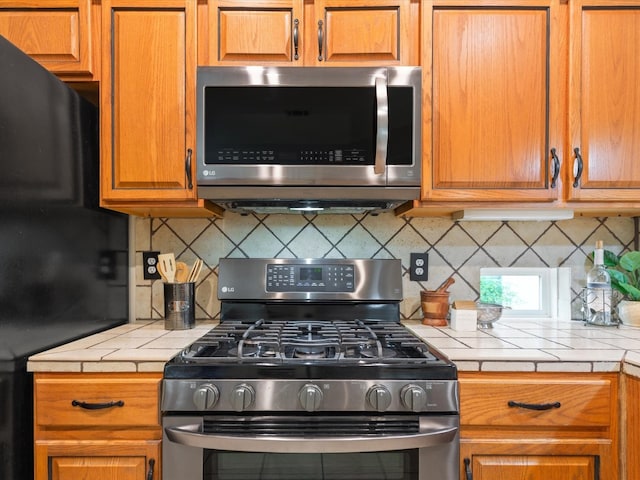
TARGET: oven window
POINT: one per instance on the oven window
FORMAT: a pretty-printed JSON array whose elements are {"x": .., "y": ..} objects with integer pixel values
[{"x": 394, "y": 465}]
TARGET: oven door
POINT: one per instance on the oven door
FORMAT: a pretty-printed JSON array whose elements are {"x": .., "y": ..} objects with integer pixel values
[{"x": 311, "y": 448}]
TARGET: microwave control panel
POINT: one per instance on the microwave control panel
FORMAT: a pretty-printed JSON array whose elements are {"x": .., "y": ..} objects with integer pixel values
[{"x": 247, "y": 156}]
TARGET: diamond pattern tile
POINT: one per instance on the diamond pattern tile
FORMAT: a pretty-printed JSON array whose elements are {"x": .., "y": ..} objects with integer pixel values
[
  {"x": 455, "y": 249},
  {"x": 505, "y": 247}
]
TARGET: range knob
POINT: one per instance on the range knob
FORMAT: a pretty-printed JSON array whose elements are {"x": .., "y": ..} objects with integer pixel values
[
  {"x": 310, "y": 397},
  {"x": 242, "y": 396},
  {"x": 379, "y": 397},
  {"x": 413, "y": 397},
  {"x": 206, "y": 396}
]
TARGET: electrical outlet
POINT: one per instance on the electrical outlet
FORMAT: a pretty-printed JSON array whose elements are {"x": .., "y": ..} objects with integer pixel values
[
  {"x": 107, "y": 265},
  {"x": 418, "y": 271},
  {"x": 150, "y": 265}
]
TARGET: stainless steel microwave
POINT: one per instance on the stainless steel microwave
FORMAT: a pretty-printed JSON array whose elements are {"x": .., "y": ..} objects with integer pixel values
[{"x": 279, "y": 136}]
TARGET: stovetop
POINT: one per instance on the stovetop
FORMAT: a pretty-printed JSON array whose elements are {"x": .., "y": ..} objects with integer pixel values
[
  {"x": 310, "y": 349},
  {"x": 309, "y": 341}
]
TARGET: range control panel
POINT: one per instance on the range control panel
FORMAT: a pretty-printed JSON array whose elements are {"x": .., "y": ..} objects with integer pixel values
[{"x": 310, "y": 278}]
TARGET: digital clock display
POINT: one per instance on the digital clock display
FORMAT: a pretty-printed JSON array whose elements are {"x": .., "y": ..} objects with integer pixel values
[{"x": 311, "y": 273}]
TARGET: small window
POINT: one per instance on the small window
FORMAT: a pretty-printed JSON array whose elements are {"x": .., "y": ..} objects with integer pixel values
[{"x": 528, "y": 292}]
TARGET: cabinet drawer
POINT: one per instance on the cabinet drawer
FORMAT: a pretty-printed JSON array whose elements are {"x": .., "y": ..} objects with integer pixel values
[
  {"x": 565, "y": 403},
  {"x": 97, "y": 400}
]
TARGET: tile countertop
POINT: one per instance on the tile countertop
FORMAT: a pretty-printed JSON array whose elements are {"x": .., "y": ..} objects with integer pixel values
[{"x": 520, "y": 346}]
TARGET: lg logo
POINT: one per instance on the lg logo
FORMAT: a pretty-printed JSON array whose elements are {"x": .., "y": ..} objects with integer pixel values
[{"x": 227, "y": 289}]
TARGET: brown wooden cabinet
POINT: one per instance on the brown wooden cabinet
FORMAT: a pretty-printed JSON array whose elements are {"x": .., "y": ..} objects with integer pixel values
[
  {"x": 63, "y": 35},
  {"x": 539, "y": 426},
  {"x": 98, "y": 426},
  {"x": 604, "y": 117},
  {"x": 255, "y": 32},
  {"x": 491, "y": 116},
  {"x": 523, "y": 97},
  {"x": 323, "y": 32},
  {"x": 148, "y": 108},
  {"x": 631, "y": 426}
]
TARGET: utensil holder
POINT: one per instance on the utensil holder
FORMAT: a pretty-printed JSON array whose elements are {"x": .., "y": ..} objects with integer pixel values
[{"x": 179, "y": 306}]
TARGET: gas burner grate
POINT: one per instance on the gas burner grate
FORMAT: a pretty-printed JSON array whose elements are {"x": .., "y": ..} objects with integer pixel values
[{"x": 293, "y": 341}]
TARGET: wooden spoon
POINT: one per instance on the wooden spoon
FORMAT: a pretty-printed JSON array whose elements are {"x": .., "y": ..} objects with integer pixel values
[
  {"x": 167, "y": 266},
  {"x": 182, "y": 272},
  {"x": 195, "y": 271}
]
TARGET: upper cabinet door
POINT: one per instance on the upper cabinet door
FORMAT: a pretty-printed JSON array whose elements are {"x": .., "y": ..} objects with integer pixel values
[
  {"x": 324, "y": 32},
  {"x": 56, "y": 33},
  {"x": 255, "y": 32},
  {"x": 148, "y": 101},
  {"x": 491, "y": 115},
  {"x": 365, "y": 32},
  {"x": 604, "y": 101}
]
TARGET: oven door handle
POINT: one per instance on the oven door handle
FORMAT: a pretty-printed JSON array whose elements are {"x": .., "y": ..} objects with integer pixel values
[
  {"x": 189, "y": 435},
  {"x": 382, "y": 131}
]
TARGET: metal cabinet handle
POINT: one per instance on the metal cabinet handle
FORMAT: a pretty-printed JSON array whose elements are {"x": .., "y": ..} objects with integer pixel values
[
  {"x": 187, "y": 166},
  {"x": 555, "y": 168},
  {"x": 97, "y": 406},
  {"x": 320, "y": 40},
  {"x": 468, "y": 474},
  {"x": 152, "y": 464},
  {"x": 296, "y": 37},
  {"x": 577, "y": 170},
  {"x": 534, "y": 406}
]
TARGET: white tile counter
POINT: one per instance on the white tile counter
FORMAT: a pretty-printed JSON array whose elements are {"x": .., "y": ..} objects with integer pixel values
[
  {"x": 536, "y": 346},
  {"x": 526, "y": 346},
  {"x": 142, "y": 346}
]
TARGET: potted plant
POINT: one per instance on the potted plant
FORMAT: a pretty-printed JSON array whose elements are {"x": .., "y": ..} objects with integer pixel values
[{"x": 625, "y": 278}]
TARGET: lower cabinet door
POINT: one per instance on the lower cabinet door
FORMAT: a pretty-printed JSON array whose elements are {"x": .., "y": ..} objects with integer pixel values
[
  {"x": 531, "y": 467},
  {"x": 107, "y": 460}
]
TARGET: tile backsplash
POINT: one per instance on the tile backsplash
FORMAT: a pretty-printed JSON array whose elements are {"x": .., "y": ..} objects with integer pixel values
[{"x": 455, "y": 249}]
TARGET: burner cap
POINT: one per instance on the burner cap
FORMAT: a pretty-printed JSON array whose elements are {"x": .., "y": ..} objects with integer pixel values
[
  {"x": 310, "y": 351},
  {"x": 253, "y": 351},
  {"x": 372, "y": 352}
]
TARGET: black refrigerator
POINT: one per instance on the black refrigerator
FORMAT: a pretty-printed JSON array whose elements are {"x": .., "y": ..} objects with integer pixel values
[{"x": 63, "y": 260}]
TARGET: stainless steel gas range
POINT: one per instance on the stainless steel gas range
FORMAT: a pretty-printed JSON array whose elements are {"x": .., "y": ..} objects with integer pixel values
[{"x": 310, "y": 375}]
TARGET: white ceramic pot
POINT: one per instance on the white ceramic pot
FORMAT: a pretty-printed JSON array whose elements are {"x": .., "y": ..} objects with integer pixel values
[{"x": 629, "y": 313}]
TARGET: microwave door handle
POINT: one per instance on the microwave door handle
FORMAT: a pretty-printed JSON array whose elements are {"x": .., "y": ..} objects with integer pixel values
[
  {"x": 189, "y": 435},
  {"x": 382, "y": 132}
]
